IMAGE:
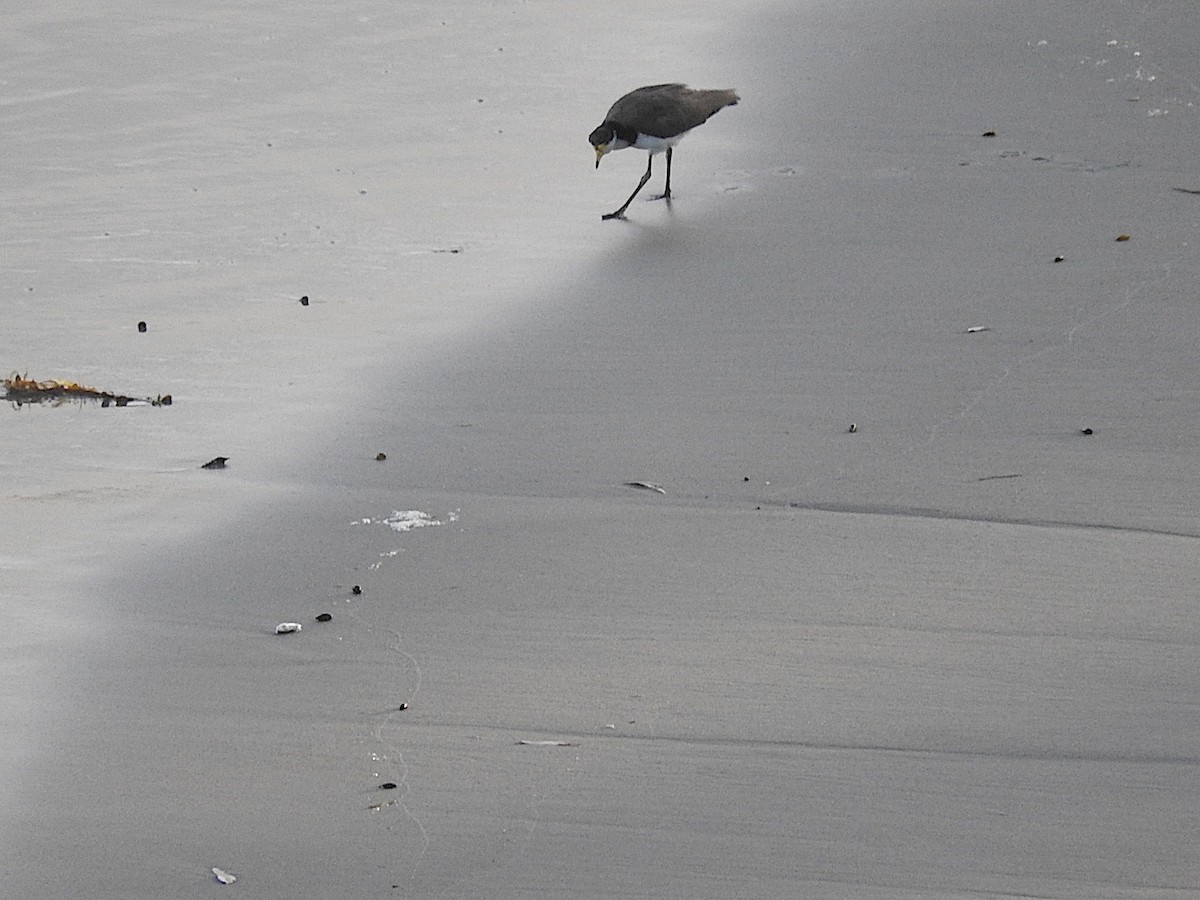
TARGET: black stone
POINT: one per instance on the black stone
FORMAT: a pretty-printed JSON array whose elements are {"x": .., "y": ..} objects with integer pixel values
[
  {"x": 324, "y": 617},
  {"x": 217, "y": 462}
]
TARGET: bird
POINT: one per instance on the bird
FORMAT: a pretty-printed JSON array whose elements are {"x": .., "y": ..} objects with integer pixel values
[{"x": 655, "y": 118}]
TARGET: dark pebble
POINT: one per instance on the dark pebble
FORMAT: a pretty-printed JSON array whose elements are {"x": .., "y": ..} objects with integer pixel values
[
  {"x": 989, "y": 134},
  {"x": 1059, "y": 259},
  {"x": 1087, "y": 431},
  {"x": 217, "y": 462},
  {"x": 388, "y": 786},
  {"x": 356, "y": 590},
  {"x": 402, "y": 707},
  {"x": 380, "y": 457},
  {"x": 324, "y": 617},
  {"x": 142, "y": 327},
  {"x": 304, "y": 300}
]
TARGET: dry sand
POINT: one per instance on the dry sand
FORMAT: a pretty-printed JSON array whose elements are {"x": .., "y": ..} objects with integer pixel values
[{"x": 950, "y": 654}]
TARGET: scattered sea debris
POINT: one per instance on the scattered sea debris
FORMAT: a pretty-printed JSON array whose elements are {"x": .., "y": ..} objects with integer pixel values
[
  {"x": 547, "y": 743},
  {"x": 376, "y": 807},
  {"x": 21, "y": 389},
  {"x": 222, "y": 876},
  {"x": 407, "y": 520},
  {"x": 647, "y": 486},
  {"x": 1122, "y": 237},
  {"x": 217, "y": 462},
  {"x": 402, "y": 707},
  {"x": 853, "y": 428},
  {"x": 975, "y": 329},
  {"x": 287, "y": 627},
  {"x": 1185, "y": 190}
]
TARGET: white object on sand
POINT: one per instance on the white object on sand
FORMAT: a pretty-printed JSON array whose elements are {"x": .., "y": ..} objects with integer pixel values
[
  {"x": 222, "y": 876},
  {"x": 647, "y": 485},
  {"x": 287, "y": 627}
]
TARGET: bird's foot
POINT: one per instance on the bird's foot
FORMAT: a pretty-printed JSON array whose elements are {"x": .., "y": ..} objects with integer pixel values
[
  {"x": 666, "y": 196},
  {"x": 619, "y": 214}
]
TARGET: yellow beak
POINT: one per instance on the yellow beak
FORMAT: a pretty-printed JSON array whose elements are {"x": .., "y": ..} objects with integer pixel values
[{"x": 600, "y": 151}]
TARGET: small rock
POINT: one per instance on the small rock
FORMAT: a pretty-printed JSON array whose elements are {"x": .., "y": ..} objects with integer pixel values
[
  {"x": 388, "y": 786},
  {"x": 222, "y": 876},
  {"x": 1087, "y": 431},
  {"x": 402, "y": 707},
  {"x": 217, "y": 462},
  {"x": 356, "y": 590},
  {"x": 380, "y": 457},
  {"x": 1059, "y": 259},
  {"x": 853, "y": 428},
  {"x": 287, "y": 627},
  {"x": 324, "y": 617},
  {"x": 141, "y": 327},
  {"x": 304, "y": 300},
  {"x": 989, "y": 134},
  {"x": 1122, "y": 237}
]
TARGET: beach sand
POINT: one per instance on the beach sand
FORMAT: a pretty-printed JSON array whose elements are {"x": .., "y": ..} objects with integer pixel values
[{"x": 949, "y": 653}]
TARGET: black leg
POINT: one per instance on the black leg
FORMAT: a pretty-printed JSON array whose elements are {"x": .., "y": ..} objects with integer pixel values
[
  {"x": 666, "y": 195},
  {"x": 620, "y": 213}
]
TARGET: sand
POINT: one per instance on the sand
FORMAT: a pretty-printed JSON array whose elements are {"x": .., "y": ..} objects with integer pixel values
[{"x": 950, "y": 653}]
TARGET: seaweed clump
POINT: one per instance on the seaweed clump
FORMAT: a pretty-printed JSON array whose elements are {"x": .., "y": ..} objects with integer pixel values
[{"x": 21, "y": 389}]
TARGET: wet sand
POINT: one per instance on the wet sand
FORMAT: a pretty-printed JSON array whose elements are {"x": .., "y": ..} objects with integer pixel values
[{"x": 947, "y": 654}]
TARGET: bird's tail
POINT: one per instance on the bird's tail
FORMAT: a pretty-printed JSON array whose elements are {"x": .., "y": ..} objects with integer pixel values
[{"x": 714, "y": 101}]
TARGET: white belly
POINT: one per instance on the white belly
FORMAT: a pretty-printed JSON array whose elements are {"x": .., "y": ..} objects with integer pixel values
[{"x": 657, "y": 144}]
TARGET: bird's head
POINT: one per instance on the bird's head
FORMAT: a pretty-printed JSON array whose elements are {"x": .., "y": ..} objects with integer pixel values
[{"x": 602, "y": 140}]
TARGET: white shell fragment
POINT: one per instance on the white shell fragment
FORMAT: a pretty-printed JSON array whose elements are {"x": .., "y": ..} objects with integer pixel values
[
  {"x": 547, "y": 744},
  {"x": 975, "y": 329},
  {"x": 222, "y": 876},
  {"x": 647, "y": 485},
  {"x": 287, "y": 627}
]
